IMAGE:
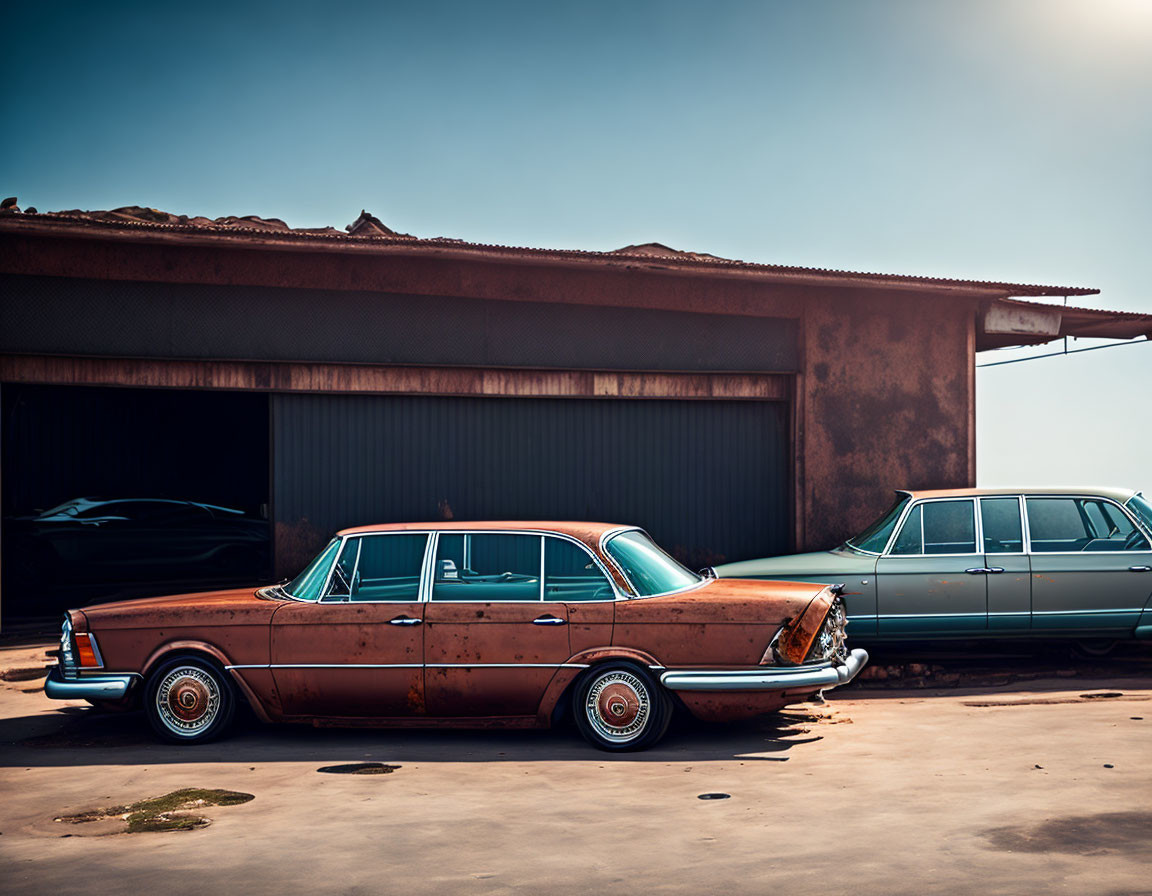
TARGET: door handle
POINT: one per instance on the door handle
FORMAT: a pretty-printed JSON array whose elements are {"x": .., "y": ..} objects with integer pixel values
[
  {"x": 404, "y": 620},
  {"x": 549, "y": 620},
  {"x": 1140, "y": 569},
  {"x": 995, "y": 569},
  {"x": 977, "y": 570}
]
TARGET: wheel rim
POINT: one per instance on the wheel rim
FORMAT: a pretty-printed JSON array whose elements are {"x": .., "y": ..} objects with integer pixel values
[
  {"x": 188, "y": 700},
  {"x": 618, "y": 706}
]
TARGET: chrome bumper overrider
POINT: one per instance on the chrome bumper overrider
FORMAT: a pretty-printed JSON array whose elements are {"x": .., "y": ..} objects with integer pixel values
[
  {"x": 818, "y": 676},
  {"x": 98, "y": 687}
]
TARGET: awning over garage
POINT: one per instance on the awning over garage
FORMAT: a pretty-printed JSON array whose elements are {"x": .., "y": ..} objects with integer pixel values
[{"x": 1013, "y": 322}]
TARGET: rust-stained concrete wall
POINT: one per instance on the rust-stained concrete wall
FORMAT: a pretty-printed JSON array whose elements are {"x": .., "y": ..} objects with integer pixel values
[{"x": 888, "y": 402}]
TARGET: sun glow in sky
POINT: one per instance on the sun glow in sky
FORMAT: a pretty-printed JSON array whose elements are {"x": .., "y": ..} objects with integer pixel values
[{"x": 987, "y": 139}]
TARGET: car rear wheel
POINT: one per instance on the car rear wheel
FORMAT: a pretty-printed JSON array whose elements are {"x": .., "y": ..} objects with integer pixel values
[
  {"x": 189, "y": 700},
  {"x": 619, "y": 707}
]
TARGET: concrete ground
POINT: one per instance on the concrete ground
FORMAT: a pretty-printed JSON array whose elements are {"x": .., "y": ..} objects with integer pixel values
[{"x": 1033, "y": 787}]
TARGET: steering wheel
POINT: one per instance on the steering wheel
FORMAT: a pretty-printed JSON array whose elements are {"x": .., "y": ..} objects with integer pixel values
[{"x": 1134, "y": 540}]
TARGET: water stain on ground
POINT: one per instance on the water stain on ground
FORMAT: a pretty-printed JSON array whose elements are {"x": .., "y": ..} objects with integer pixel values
[{"x": 1122, "y": 832}]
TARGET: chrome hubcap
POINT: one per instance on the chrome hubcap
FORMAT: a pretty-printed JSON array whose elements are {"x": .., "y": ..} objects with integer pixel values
[
  {"x": 618, "y": 706},
  {"x": 188, "y": 700}
]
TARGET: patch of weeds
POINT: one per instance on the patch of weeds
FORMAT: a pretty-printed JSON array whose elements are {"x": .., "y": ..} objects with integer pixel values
[{"x": 171, "y": 812}]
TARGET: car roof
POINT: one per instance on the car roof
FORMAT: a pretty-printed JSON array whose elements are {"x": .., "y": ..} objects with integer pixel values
[
  {"x": 1120, "y": 495},
  {"x": 587, "y": 532}
]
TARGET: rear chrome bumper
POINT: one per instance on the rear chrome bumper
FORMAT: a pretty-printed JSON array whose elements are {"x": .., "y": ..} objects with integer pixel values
[
  {"x": 98, "y": 687},
  {"x": 818, "y": 676}
]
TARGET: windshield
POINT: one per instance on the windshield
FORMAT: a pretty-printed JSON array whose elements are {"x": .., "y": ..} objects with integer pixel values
[
  {"x": 875, "y": 537},
  {"x": 1141, "y": 506},
  {"x": 647, "y": 567},
  {"x": 307, "y": 585}
]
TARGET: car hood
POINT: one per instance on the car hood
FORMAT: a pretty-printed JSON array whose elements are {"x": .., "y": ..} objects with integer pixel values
[
  {"x": 838, "y": 562},
  {"x": 238, "y": 606}
]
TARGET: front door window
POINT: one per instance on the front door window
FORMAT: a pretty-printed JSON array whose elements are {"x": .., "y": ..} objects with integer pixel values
[{"x": 923, "y": 585}]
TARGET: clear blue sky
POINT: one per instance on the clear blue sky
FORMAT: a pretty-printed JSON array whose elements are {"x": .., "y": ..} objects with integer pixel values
[{"x": 991, "y": 139}]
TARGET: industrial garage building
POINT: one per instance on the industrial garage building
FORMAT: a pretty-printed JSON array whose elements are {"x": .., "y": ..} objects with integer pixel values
[{"x": 320, "y": 379}]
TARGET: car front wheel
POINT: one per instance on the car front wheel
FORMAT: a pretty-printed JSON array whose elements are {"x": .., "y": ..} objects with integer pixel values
[
  {"x": 619, "y": 706},
  {"x": 189, "y": 700}
]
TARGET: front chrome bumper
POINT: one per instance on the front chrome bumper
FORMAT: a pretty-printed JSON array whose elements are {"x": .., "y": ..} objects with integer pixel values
[
  {"x": 98, "y": 687},
  {"x": 817, "y": 676}
]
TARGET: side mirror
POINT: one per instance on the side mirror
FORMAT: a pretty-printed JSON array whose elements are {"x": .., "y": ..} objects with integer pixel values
[{"x": 709, "y": 573}]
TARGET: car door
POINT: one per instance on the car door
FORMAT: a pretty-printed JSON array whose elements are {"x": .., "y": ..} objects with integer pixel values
[
  {"x": 1009, "y": 578},
  {"x": 1091, "y": 567},
  {"x": 932, "y": 582},
  {"x": 492, "y": 644},
  {"x": 358, "y": 651}
]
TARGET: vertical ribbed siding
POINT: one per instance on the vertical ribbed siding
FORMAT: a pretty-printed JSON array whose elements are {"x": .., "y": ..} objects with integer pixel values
[{"x": 708, "y": 479}]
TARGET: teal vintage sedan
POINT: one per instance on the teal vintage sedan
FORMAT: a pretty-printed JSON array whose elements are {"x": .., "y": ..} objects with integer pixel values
[{"x": 1037, "y": 562}]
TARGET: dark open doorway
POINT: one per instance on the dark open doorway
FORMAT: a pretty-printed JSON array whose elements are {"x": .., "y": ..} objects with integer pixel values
[{"x": 125, "y": 492}]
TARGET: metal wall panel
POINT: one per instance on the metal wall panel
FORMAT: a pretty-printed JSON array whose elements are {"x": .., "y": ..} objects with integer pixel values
[
  {"x": 708, "y": 479},
  {"x": 50, "y": 315}
]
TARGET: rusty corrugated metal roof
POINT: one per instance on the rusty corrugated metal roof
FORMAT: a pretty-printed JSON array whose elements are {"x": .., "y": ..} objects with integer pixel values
[{"x": 368, "y": 231}]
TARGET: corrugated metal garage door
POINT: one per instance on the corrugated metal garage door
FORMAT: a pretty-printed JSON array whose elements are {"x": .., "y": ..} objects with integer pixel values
[{"x": 708, "y": 479}]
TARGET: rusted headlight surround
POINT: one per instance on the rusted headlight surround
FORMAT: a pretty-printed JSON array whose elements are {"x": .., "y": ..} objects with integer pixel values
[{"x": 816, "y": 636}]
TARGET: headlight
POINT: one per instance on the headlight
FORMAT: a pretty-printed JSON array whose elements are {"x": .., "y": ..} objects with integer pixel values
[
  {"x": 830, "y": 642},
  {"x": 67, "y": 654}
]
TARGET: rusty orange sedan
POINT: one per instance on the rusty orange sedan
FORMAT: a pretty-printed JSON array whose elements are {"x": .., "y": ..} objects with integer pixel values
[{"x": 515, "y": 624}]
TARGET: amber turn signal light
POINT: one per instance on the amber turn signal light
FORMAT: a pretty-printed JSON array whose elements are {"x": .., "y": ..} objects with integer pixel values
[{"x": 85, "y": 651}]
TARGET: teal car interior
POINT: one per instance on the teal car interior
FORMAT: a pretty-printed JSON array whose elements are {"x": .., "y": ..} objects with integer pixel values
[{"x": 1049, "y": 562}]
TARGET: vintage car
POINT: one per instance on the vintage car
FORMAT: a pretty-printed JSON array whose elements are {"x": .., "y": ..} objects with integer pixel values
[
  {"x": 1012, "y": 563},
  {"x": 116, "y": 540},
  {"x": 466, "y": 624}
]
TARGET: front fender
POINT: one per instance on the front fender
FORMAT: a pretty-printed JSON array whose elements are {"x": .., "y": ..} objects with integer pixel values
[{"x": 574, "y": 668}]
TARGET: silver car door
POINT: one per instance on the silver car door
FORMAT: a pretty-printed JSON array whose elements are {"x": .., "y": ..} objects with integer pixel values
[
  {"x": 1009, "y": 572},
  {"x": 1091, "y": 567},
  {"x": 933, "y": 582}
]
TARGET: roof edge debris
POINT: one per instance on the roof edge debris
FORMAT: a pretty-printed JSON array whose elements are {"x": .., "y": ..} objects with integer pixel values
[{"x": 369, "y": 231}]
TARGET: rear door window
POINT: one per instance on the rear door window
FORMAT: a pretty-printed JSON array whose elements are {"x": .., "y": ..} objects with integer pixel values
[
  {"x": 487, "y": 567},
  {"x": 1003, "y": 533},
  {"x": 1075, "y": 525}
]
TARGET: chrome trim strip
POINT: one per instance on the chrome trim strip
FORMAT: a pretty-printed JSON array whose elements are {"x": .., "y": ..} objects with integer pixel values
[
  {"x": 409, "y": 666},
  {"x": 999, "y": 613},
  {"x": 427, "y": 574},
  {"x": 99, "y": 687},
  {"x": 541, "y": 575},
  {"x": 771, "y": 678},
  {"x": 1084, "y": 612},
  {"x": 506, "y": 665}
]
